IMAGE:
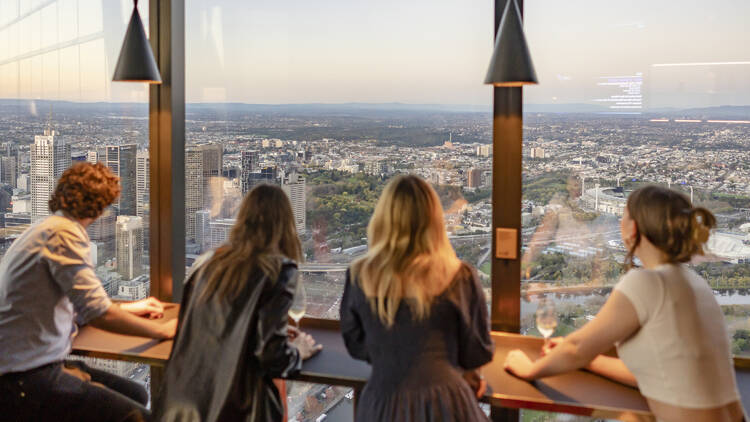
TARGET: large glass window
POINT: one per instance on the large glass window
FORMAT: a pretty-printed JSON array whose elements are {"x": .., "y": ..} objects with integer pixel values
[
  {"x": 330, "y": 100},
  {"x": 59, "y": 106},
  {"x": 630, "y": 96}
]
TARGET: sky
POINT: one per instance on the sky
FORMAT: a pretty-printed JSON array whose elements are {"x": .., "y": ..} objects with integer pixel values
[{"x": 673, "y": 53}]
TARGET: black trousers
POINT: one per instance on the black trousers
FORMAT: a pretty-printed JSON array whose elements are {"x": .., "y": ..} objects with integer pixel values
[{"x": 71, "y": 391}]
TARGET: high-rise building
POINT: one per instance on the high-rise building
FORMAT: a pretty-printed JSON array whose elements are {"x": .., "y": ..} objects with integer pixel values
[
  {"x": 8, "y": 171},
  {"x": 484, "y": 150},
  {"x": 293, "y": 185},
  {"x": 193, "y": 189},
  {"x": 474, "y": 178},
  {"x": 249, "y": 165},
  {"x": 213, "y": 163},
  {"x": 9, "y": 161},
  {"x": 203, "y": 229},
  {"x": 50, "y": 157},
  {"x": 142, "y": 168},
  {"x": 269, "y": 175},
  {"x": 219, "y": 231},
  {"x": 129, "y": 246},
  {"x": 537, "y": 152},
  {"x": 102, "y": 232},
  {"x": 121, "y": 160},
  {"x": 91, "y": 156}
]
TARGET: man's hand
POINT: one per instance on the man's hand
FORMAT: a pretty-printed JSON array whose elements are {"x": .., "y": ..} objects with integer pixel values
[
  {"x": 519, "y": 364},
  {"x": 168, "y": 330},
  {"x": 150, "y": 307}
]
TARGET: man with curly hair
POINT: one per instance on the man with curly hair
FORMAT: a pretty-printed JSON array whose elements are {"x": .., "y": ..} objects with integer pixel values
[{"x": 48, "y": 288}]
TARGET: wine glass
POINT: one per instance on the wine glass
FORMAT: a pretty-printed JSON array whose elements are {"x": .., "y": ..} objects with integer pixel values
[
  {"x": 546, "y": 318},
  {"x": 299, "y": 305}
]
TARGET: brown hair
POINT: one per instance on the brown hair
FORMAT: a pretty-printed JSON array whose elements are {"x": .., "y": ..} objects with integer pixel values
[
  {"x": 85, "y": 190},
  {"x": 670, "y": 222},
  {"x": 264, "y": 233},
  {"x": 409, "y": 251}
]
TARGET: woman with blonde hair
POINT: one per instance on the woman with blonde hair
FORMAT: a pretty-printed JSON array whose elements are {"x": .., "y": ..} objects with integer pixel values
[
  {"x": 232, "y": 337},
  {"x": 663, "y": 318},
  {"x": 415, "y": 312}
]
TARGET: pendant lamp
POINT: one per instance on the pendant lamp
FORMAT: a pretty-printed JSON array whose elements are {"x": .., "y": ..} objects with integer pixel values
[
  {"x": 511, "y": 62},
  {"x": 136, "y": 62}
]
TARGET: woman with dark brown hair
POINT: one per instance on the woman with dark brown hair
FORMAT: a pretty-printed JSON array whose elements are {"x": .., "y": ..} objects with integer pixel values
[
  {"x": 233, "y": 338},
  {"x": 663, "y": 318},
  {"x": 48, "y": 287}
]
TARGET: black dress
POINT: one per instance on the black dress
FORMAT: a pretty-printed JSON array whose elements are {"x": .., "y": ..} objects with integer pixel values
[
  {"x": 417, "y": 366},
  {"x": 226, "y": 353}
]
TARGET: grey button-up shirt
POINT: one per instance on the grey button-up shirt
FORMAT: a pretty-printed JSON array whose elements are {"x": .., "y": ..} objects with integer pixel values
[{"x": 47, "y": 286}]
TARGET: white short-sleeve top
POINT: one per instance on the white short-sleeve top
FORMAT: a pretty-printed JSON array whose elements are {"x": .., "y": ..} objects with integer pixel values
[{"x": 681, "y": 354}]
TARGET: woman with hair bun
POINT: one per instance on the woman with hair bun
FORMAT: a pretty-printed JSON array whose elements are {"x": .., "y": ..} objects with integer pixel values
[{"x": 668, "y": 328}]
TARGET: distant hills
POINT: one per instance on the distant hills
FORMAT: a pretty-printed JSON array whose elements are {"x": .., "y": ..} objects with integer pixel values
[{"x": 42, "y": 107}]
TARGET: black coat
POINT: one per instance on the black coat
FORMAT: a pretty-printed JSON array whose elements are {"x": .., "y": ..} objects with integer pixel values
[{"x": 226, "y": 353}]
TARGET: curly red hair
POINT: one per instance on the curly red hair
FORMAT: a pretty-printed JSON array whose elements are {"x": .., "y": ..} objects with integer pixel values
[{"x": 85, "y": 190}]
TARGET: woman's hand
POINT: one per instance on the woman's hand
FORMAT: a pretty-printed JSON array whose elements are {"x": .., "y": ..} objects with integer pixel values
[
  {"x": 551, "y": 344},
  {"x": 306, "y": 345},
  {"x": 150, "y": 307},
  {"x": 519, "y": 364},
  {"x": 476, "y": 382}
]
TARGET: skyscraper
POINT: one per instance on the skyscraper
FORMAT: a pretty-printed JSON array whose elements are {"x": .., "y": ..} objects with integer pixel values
[
  {"x": 267, "y": 175},
  {"x": 9, "y": 164},
  {"x": 219, "y": 231},
  {"x": 142, "y": 168},
  {"x": 121, "y": 159},
  {"x": 202, "y": 229},
  {"x": 102, "y": 232},
  {"x": 474, "y": 178},
  {"x": 193, "y": 189},
  {"x": 129, "y": 246},
  {"x": 213, "y": 162},
  {"x": 249, "y": 164},
  {"x": 50, "y": 157},
  {"x": 293, "y": 185}
]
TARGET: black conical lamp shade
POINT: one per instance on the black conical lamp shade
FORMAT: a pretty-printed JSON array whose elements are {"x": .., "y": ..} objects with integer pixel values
[
  {"x": 511, "y": 62},
  {"x": 136, "y": 62}
]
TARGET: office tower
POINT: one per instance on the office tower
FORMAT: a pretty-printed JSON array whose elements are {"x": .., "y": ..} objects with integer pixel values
[
  {"x": 484, "y": 150},
  {"x": 293, "y": 185},
  {"x": 142, "y": 168},
  {"x": 50, "y": 157},
  {"x": 219, "y": 231},
  {"x": 537, "y": 152},
  {"x": 202, "y": 229},
  {"x": 193, "y": 189},
  {"x": 9, "y": 163},
  {"x": 249, "y": 164},
  {"x": 8, "y": 169},
  {"x": 102, "y": 231},
  {"x": 129, "y": 246},
  {"x": 91, "y": 156},
  {"x": 23, "y": 182},
  {"x": 213, "y": 162},
  {"x": 267, "y": 175},
  {"x": 474, "y": 178},
  {"x": 121, "y": 160}
]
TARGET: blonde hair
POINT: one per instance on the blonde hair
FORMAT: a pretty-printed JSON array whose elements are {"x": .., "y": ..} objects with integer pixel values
[
  {"x": 263, "y": 235},
  {"x": 409, "y": 253},
  {"x": 670, "y": 222}
]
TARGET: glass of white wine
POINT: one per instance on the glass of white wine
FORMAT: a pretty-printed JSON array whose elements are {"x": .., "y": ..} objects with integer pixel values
[
  {"x": 299, "y": 305},
  {"x": 546, "y": 318}
]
